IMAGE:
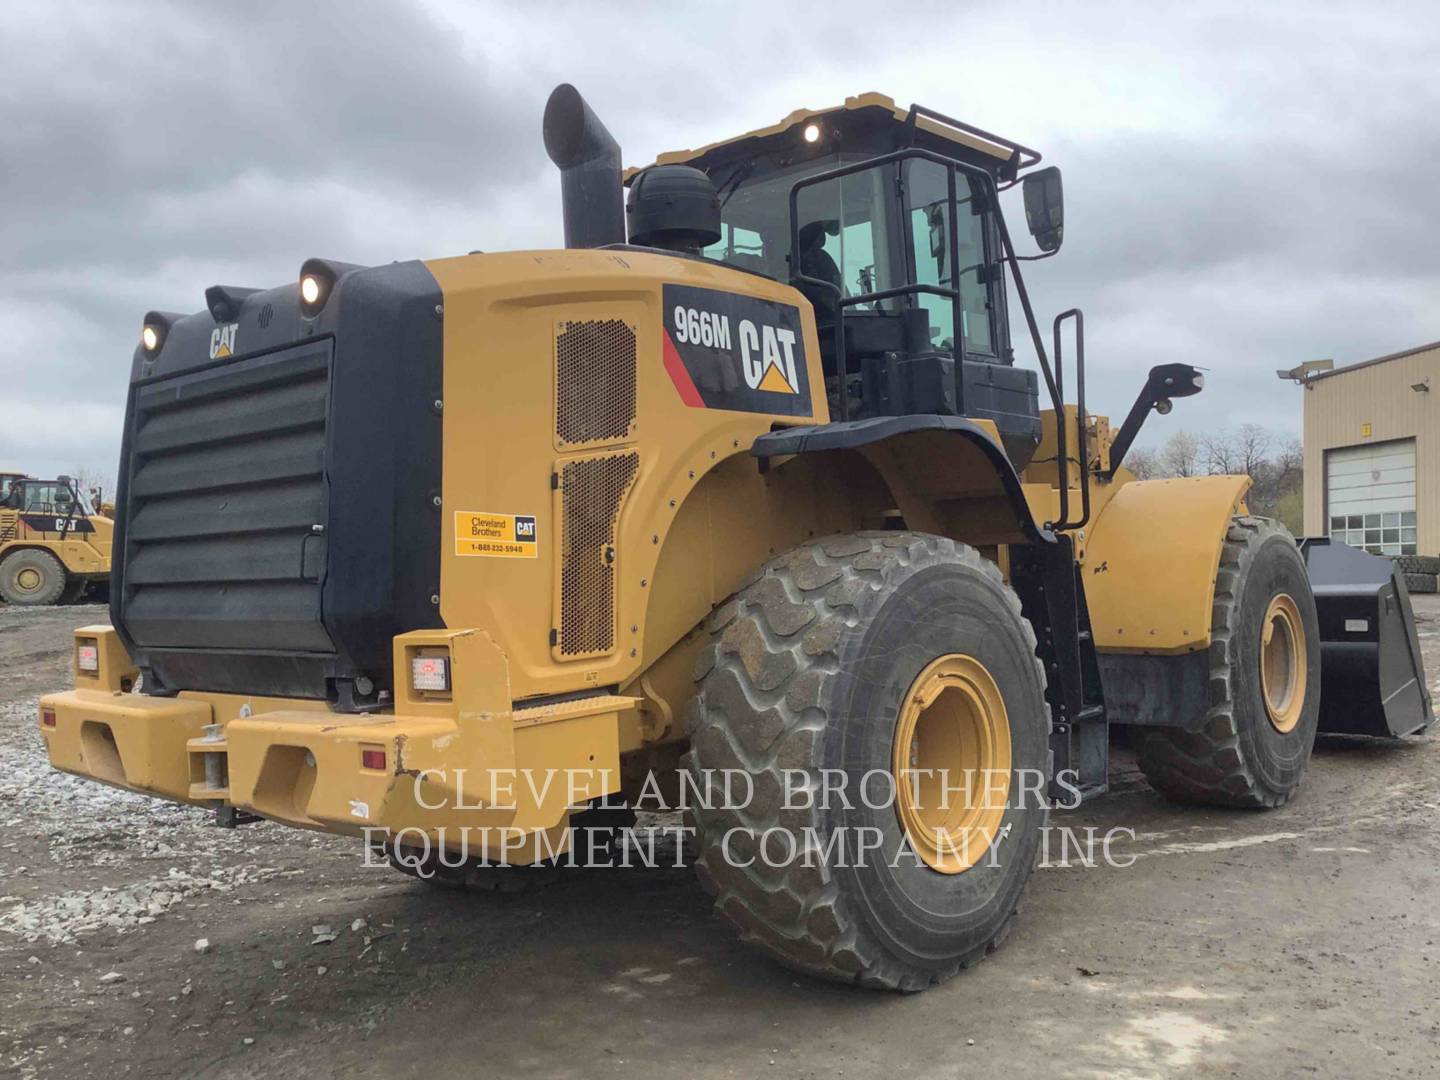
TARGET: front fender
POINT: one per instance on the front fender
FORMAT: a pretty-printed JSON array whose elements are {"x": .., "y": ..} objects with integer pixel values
[{"x": 1151, "y": 560}]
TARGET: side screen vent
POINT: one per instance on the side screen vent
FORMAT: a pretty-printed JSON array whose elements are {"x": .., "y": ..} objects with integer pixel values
[
  {"x": 594, "y": 382},
  {"x": 592, "y": 491}
]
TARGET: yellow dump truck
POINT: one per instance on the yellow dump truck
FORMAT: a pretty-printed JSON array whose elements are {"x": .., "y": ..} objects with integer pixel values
[
  {"x": 53, "y": 544},
  {"x": 746, "y": 482}
]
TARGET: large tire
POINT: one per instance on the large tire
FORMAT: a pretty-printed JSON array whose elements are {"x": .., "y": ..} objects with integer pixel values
[
  {"x": 1418, "y": 564},
  {"x": 1241, "y": 756},
  {"x": 813, "y": 666},
  {"x": 29, "y": 577},
  {"x": 1420, "y": 583}
]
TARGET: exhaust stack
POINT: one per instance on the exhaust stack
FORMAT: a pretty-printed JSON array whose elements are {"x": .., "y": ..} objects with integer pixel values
[{"x": 589, "y": 161}]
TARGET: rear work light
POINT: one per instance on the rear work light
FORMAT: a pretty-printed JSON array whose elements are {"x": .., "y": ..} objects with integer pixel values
[
  {"x": 47, "y": 717},
  {"x": 430, "y": 673},
  {"x": 372, "y": 757},
  {"x": 87, "y": 656}
]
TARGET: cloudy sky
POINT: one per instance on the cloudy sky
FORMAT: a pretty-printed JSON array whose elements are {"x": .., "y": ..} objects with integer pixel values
[{"x": 1248, "y": 185}]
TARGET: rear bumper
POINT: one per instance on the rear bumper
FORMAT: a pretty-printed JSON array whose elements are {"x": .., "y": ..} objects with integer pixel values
[
  {"x": 495, "y": 782},
  {"x": 302, "y": 767},
  {"x": 124, "y": 740}
]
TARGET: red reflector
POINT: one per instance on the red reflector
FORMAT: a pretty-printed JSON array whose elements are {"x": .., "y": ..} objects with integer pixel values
[
  {"x": 47, "y": 717},
  {"x": 372, "y": 759}
]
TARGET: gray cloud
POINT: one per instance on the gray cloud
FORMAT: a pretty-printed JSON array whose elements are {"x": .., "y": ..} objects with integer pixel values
[{"x": 1248, "y": 186}]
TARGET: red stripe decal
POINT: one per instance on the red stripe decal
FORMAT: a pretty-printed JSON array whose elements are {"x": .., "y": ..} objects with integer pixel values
[{"x": 675, "y": 367}]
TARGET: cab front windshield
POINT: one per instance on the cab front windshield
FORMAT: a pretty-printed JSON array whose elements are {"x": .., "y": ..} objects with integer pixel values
[
  {"x": 856, "y": 235},
  {"x": 48, "y": 497}
]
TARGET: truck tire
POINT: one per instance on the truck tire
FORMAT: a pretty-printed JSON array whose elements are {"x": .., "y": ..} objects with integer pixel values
[
  {"x": 1418, "y": 564},
  {"x": 1264, "y": 681},
  {"x": 1419, "y": 583},
  {"x": 845, "y": 662},
  {"x": 29, "y": 577}
]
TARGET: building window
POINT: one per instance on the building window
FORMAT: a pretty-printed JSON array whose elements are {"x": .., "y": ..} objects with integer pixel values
[{"x": 1390, "y": 533}]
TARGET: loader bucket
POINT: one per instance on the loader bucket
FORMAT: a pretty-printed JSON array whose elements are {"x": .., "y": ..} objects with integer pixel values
[{"x": 1372, "y": 677}]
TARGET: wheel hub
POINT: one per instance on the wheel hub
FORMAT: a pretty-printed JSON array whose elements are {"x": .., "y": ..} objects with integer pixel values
[
  {"x": 1283, "y": 663},
  {"x": 29, "y": 580},
  {"x": 951, "y": 761}
]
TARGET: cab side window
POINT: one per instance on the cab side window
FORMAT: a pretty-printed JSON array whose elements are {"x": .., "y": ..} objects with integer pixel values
[
  {"x": 740, "y": 247},
  {"x": 844, "y": 231},
  {"x": 47, "y": 499},
  {"x": 927, "y": 187}
]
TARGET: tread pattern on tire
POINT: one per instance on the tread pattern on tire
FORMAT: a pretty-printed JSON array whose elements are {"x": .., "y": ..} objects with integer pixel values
[
  {"x": 43, "y": 561},
  {"x": 775, "y": 645},
  {"x": 1420, "y": 583},
  {"x": 1418, "y": 564},
  {"x": 1208, "y": 765}
]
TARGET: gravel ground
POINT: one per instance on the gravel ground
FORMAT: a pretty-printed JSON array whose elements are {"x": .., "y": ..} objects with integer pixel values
[{"x": 138, "y": 940}]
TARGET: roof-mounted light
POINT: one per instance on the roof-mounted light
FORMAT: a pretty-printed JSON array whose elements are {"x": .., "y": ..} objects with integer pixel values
[
  {"x": 318, "y": 279},
  {"x": 154, "y": 329},
  {"x": 812, "y": 133}
]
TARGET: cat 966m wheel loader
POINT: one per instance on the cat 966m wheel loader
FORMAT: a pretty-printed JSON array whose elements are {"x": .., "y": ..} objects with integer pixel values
[{"x": 743, "y": 482}]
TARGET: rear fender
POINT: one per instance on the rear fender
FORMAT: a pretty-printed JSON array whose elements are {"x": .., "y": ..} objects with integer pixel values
[{"x": 948, "y": 475}]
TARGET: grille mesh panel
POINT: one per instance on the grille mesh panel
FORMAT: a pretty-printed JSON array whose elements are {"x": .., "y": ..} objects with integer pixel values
[
  {"x": 594, "y": 381},
  {"x": 592, "y": 491}
]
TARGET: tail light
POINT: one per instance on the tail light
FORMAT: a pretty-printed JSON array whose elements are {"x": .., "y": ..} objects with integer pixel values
[
  {"x": 430, "y": 673},
  {"x": 87, "y": 655}
]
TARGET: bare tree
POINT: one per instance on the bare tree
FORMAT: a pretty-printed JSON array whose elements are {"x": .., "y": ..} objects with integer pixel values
[
  {"x": 1242, "y": 451},
  {"x": 1278, "y": 482},
  {"x": 1180, "y": 456},
  {"x": 1145, "y": 464}
]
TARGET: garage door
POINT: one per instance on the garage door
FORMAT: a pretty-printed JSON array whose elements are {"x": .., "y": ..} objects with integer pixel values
[{"x": 1370, "y": 496}]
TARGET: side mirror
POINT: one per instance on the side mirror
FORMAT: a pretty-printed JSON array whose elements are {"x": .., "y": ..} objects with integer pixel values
[{"x": 1045, "y": 208}]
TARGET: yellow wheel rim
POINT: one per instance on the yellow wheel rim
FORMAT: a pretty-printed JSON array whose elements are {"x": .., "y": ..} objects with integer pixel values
[
  {"x": 1283, "y": 663},
  {"x": 951, "y": 761},
  {"x": 28, "y": 579}
]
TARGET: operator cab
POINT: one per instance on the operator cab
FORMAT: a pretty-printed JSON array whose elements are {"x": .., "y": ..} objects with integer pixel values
[
  {"x": 57, "y": 497},
  {"x": 888, "y": 222}
]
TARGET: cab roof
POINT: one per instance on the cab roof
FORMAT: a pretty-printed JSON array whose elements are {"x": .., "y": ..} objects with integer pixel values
[{"x": 870, "y": 106}]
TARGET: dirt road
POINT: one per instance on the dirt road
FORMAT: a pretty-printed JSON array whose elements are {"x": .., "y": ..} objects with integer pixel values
[{"x": 1304, "y": 941}]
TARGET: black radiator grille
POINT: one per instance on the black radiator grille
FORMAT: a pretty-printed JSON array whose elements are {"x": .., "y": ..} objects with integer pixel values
[{"x": 227, "y": 505}]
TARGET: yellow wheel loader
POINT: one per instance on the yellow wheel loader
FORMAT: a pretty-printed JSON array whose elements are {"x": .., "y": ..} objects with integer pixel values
[
  {"x": 738, "y": 504},
  {"x": 53, "y": 544}
]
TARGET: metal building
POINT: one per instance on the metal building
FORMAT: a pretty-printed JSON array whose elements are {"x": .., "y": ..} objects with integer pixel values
[{"x": 1372, "y": 453}]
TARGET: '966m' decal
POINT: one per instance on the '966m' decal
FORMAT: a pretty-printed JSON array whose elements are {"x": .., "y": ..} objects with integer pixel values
[{"x": 727, "y": 351}]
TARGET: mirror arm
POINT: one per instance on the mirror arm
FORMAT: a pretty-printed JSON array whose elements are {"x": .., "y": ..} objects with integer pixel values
[{"x": 1161, "y": 384}]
